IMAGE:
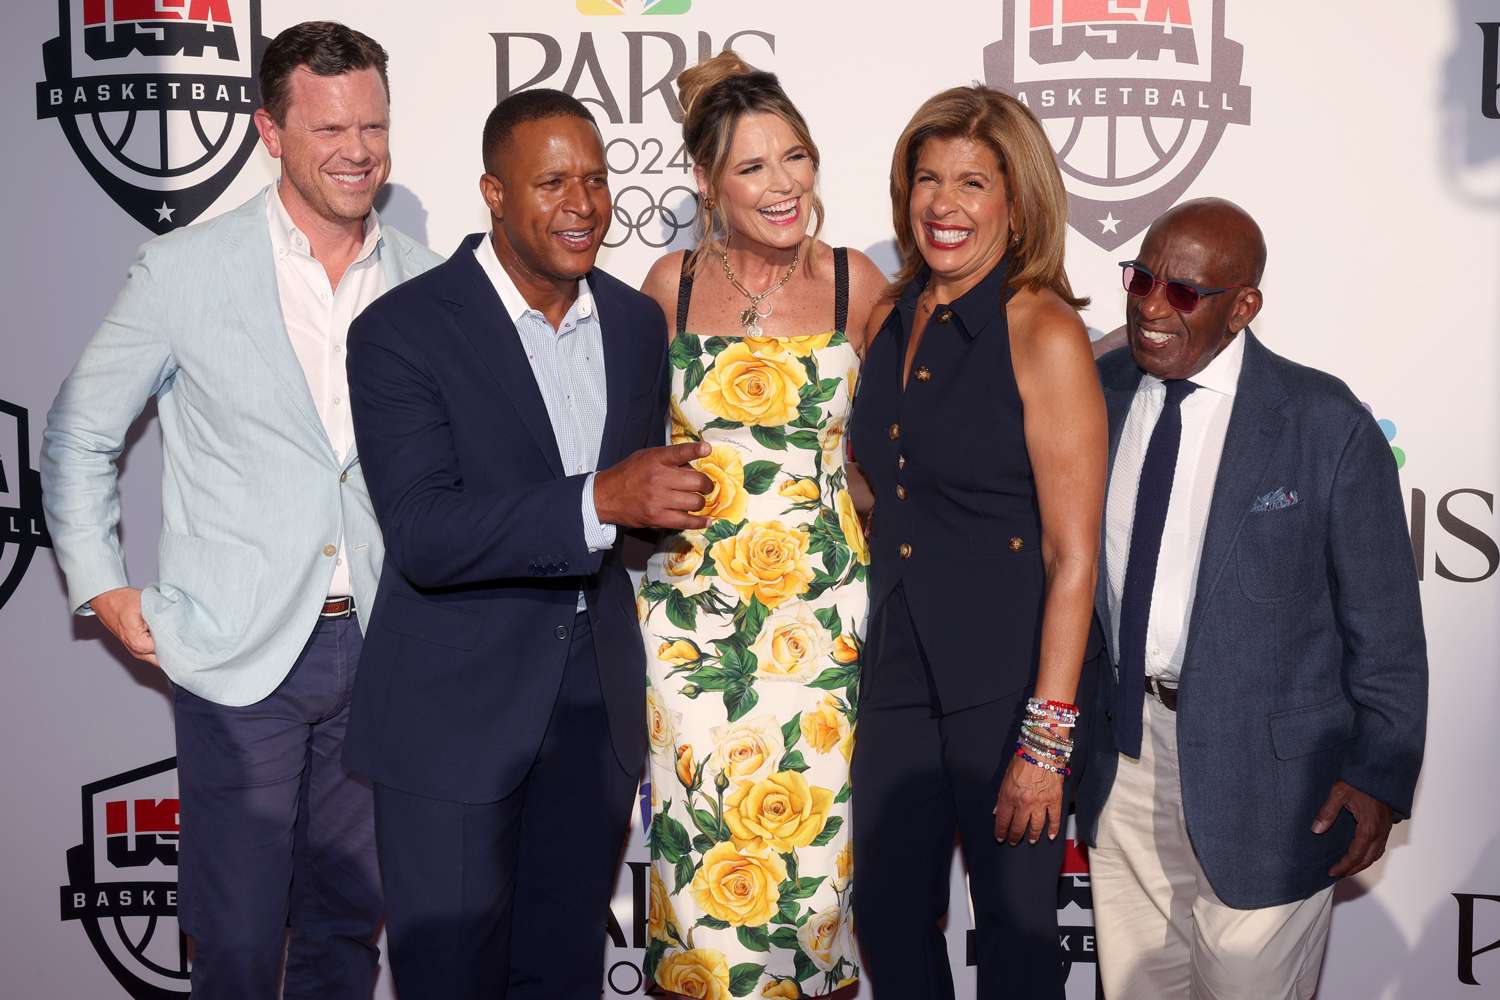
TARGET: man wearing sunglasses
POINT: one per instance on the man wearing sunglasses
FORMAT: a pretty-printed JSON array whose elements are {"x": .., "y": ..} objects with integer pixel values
[{"x": 1262, "y": 724}]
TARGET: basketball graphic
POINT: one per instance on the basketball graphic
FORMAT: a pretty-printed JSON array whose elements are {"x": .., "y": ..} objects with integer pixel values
[
  {"x": 22, "y": 527},
  {"x": 1134, "y": 99},
  {"x": 156, "y": 98},
  {"x": 122, "y": 880}
]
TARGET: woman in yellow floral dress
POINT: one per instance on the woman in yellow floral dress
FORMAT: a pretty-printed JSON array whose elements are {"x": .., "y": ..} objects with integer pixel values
[{"x": 754, "y": 625}]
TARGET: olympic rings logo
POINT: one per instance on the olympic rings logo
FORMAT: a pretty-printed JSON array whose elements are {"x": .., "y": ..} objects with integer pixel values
[{"x": 656, "y": 219}]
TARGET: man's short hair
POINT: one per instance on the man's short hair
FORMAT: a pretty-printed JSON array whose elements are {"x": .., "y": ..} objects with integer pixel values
[
  {"x": 325, "y": 48},
  {"x": 526, "y": 106}
]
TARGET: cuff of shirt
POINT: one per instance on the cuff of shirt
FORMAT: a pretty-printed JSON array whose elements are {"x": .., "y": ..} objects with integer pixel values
[{"x": 596, "y": 535}]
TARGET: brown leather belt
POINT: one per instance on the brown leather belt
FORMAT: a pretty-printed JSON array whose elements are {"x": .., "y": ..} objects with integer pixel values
[
  {"x": 1165, "y": 694},
  {"x": 337, "y": 607}
]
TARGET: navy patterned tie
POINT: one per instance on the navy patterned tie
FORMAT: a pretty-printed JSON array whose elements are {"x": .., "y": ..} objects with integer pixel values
[{"x": 1152, "y": 496}]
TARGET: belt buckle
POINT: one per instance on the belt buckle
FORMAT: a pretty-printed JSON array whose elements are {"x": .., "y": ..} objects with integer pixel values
[
  {"x": 1163, "y": 693},
  {"x": 337, "y": 607}
]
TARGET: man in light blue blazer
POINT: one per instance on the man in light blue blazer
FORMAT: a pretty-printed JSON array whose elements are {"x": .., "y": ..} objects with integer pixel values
[
  {"x": 269, "y": 553},
  {"x": 1260, "y": 720}
]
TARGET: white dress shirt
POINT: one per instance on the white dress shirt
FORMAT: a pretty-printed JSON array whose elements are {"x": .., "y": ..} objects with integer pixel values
[
  {"x": 1205, "y": 420},
  {"x": 317, "y": 318},
  {"x": 568, "y": 365}
]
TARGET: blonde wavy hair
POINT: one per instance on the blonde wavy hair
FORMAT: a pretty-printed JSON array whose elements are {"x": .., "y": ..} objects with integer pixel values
[
  {"x": 1039, "y": 202},
  {"x": 714, "y": 95}
]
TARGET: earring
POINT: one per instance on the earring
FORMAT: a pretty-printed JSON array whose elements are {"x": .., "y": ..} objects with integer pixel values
[{"x": 708, "y": 203}]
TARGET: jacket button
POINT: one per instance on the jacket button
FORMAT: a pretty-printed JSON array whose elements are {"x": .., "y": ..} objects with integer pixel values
[
  {"x": 329, "y": 550},
  {"x": 944, "y": 315},
  {"x": 561, "y": 631},
  {"x": 900, "y": 492},
  {"x": 924, "y": 374},
  {"x": 904, "y": 550},
  {"x": 562, "y": 567},
  {"x": 1016, "y": 545},
  {"x": 895, "y": 431},
  {"x": 343, "y": 477}
]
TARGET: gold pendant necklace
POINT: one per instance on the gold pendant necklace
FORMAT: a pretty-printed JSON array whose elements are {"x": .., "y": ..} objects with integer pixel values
[{"x": 751, "y": 315}]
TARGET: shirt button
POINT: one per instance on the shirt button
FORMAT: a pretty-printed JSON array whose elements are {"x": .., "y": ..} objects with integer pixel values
[
  {"x": 329, "y": 550},
  {"x": 561, "y": 631},
  {"x": 900, "y": 461},
  {"x": 895, "y": 431},
  {"x": 924, "y": 374},
  {"x": 1016, "y": 545},
  {"x": 337, "y": 349},
  {"x": 944, "y": 315},
  {"x": 337, "y": 400},
  {"x": 904, "y": 550},
  {"x": 900, "y": 492},
  {"x": 343, "y": 477}
]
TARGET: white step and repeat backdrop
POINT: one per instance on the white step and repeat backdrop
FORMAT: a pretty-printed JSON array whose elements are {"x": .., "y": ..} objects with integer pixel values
[{"x": 1364, "y": 136}]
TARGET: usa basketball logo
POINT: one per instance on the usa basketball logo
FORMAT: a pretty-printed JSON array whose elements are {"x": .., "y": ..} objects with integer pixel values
[
  {"x": 22, "y": 528},
  {"x": 122, "y": 881},
  {"x": 156, "y": 98},
  {"x": 1134, "y": 95}
]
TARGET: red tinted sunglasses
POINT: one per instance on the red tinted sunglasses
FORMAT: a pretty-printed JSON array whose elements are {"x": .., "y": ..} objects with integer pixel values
[{"x": 1182, "y": 296}]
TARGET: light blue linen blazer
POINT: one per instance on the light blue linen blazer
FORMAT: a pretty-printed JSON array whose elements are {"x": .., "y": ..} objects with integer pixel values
[{"x": 253, "y": 495}]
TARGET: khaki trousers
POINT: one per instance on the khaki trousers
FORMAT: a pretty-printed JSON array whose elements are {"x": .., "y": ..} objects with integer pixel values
[{"x": 1162, "y": 931}]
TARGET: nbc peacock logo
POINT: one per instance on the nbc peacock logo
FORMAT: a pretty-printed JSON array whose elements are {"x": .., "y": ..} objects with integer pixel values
[
  {"x": 1388, "y": 428},
  {"x": 606, "y": 7}
]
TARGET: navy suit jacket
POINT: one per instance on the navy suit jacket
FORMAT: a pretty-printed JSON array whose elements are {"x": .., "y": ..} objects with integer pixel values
[
  {"x": 485, "y": 550},
  {"x": 1306, "y": 661}
]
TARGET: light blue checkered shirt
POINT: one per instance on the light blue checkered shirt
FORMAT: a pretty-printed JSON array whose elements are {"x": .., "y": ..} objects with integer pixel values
[{"x": 568, "y": 365}]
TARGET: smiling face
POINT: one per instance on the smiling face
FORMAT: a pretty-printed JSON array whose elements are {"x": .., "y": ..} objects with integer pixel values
[
  {"x": 550, "y": 201},
  {"x": 334, "y": 145},
  {"x": 766, "y": 189},
  {"x": 1205, "y": 246},
  {"x": 960, "y": 208}
]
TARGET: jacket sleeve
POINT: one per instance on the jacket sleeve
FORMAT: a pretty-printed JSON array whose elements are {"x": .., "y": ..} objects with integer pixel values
[
  {"x": 128, "y": 361},
  {"x": 1379, "y": 613},
  {"x": 438, "y": 531}
]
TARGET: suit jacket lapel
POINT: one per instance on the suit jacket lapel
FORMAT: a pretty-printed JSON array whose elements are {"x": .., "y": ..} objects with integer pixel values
[
  {"x": 393, "y": 269},
  {"x": 250, "y": 277},
  {"x": 1120, "y": 379},
  {"x": 1255, "y": 430},
  {"x": 620, "y": 353},
  {"x": 484, "y": 322}
]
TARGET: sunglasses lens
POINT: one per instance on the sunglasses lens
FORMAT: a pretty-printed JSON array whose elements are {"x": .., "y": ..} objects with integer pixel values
[
  {"x": 1137, "y": 281},
  {"x": 1183, "y": 298}
]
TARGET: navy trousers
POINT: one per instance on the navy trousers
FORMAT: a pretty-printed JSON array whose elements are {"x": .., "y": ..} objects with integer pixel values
[
  {"x": 510, "y": 899},
  {"x": 278, "y": 840},
  {"x": 920, "y": 776}
]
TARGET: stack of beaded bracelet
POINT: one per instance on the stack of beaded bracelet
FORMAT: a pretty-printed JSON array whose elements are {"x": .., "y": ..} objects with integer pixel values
[{"x": 1046, "y": 739}]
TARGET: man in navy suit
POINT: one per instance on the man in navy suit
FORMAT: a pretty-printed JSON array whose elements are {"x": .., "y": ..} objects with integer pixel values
[
  {"x": 1262, "y": 722},
  {"x": 500, "y": 709}
]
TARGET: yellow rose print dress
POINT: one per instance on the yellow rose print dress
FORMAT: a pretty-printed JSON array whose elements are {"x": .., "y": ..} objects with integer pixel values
[{"x": 753, "y": 628}]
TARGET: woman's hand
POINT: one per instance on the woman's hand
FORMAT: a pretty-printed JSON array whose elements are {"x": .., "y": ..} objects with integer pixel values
[{"x": 1030, "y": 801}]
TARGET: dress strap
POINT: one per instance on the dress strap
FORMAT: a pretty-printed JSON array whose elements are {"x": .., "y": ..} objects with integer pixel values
[
  {"x": 684, "y": 291},
  {"x": 840, "y": 288}
]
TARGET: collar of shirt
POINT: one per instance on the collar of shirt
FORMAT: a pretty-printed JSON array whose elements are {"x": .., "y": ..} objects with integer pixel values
[
  {"x": 1221, "y": 376},
  {"x": 515, "y": 304},
  {"x": 286, "y": 238},
  {"x": 975, "y": 309}
]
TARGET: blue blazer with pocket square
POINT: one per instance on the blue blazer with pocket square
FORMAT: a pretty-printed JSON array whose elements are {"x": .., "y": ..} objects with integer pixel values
[
  {"x": 1306, "y": 661},
  {"x": 485, "y": 548}
]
